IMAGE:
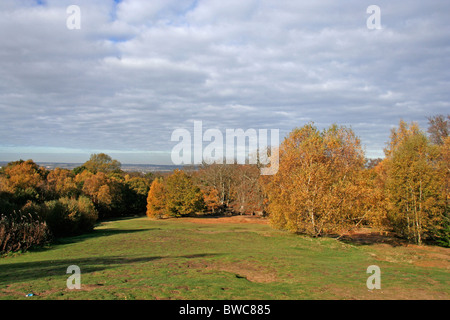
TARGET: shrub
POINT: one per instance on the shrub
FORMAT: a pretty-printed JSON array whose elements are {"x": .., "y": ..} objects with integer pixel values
[
  {"x": 69, "y": 216},
  {"x": 21, "y": 231}
]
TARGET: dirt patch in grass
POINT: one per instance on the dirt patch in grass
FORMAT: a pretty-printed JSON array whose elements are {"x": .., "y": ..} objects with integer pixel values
[
  {"x": 422, "y": 256},
  {"x": 11, "y": 292},
  {"x": 367, "y": 236},
  {"x": 395, "y": 293},
  {"x": 252, "y": 271}
]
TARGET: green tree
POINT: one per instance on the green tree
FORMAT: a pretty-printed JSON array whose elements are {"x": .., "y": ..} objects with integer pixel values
[
  {"x": 134, "y": 193},
  {"x": 102, "y": 162},
  {"x": 183, "y": 196}
]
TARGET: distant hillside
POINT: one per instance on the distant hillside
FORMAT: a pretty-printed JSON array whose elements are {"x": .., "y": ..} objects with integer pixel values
[{"x": 125, "y": 167}]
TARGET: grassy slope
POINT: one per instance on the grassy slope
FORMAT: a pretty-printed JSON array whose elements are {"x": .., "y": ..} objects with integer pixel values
[{"x": 143, "y": 259}]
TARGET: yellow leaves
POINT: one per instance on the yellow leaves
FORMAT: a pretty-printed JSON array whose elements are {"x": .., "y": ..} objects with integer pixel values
[
  {"x": 23, "y": 175},
  {"x": 61, "y": 182},
  {"x": 413, "y": 184},
  {"x": 316, "y": 186}
]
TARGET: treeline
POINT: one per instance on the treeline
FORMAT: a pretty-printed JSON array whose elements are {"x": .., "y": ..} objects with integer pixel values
[
  {"x": 214, "y": 189},
  {"x": 325, "y": 185},
  {"x": 63, "y": 202}
]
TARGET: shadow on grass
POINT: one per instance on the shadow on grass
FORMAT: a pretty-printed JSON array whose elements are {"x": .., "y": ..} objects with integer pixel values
[
  {"x": 26, "y": 271},
  {"x": 370, "y": 238},
  {"x": 96, "y": 233}
]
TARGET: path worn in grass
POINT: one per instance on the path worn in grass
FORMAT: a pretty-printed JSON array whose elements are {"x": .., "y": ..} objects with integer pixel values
[{"x": 182, "y": 259}]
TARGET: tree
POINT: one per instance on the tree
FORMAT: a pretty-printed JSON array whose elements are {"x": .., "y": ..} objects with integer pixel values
[
  {"x": 211, "y": 199},
  {"x": 60, "y": 183},
  {"x": 156, "y": 200},
  {"x": 413, "y": 186},
  {"x": 247, "y": 194},
  {"x": 317, "y": 184},
  {"x": 438, "y": 128},
  {"x": 217, "y": 177},
  {"x": 102, "y": 162},
  {"x": 183, "y": 196},
  {"x": 400, "y": 134},
  {"x": 134, "y": 193},
  {"x": 24, "y": 180},
  {"x": 104, "y": 191},
  {"x": 443, "y": 234}
]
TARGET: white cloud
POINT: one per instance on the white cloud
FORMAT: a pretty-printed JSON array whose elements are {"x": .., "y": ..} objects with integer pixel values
[{"x": 139, "y": 69}]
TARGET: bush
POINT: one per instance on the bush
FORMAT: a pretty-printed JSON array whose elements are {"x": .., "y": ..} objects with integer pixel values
[
  {"x": 21, "y": 231},
  {"x": 68, "y": 216}
]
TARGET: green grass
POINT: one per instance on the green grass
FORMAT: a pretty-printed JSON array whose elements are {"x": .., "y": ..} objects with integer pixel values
[{"x": 175, "y": 259}]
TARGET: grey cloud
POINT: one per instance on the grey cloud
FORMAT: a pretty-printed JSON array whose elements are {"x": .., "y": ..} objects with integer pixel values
[{"x": 137, "y": 70}]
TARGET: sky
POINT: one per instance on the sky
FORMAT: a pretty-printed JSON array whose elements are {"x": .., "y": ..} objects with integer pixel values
[{"x": 136, "y": 70}]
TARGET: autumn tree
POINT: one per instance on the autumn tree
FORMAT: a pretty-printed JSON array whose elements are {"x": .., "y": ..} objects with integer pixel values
[
  {"x": 184, "y": 198},
  {"x": 211, "y": 199},
  {"x": 156, "y": 200},
  {"x": 24, "y": 181},
  {"x": 60, "y": 183},
  {"x": 217, "y": 177},
  {"x": 438, "y": 128},
  {"x": 443, "y": 234},
  {"x": 317, "y": 186},
  {"x": 247, "y": 193},
  {"x": 104, "y": 191},
  {"x": 413, "y": 186},
  {"x": 102, "y": 162}
]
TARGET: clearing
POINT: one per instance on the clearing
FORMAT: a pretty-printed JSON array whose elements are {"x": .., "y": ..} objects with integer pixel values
[{"x": 222, "y": 258}]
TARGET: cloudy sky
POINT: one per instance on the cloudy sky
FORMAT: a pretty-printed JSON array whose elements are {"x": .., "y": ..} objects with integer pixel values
[{"x": 139, "y": 69}]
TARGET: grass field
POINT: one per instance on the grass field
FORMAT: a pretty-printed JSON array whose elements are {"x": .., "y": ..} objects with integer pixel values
[{"x": 208, "y": 258}]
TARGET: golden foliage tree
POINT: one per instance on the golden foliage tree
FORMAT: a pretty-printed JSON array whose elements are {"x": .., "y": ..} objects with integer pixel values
[
  {"x": 211, "y": 199},
  {"x": 103, "y": 190},
  {"x": 414, "y": 184},
  {"x": 24, "y": 180},
  {"x": 156, "y": 200},
  {"x": 318, "y": 182},
  {"x": 60, "y": 183}
]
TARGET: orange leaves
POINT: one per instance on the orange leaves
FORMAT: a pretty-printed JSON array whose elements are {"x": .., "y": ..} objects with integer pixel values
[
  {"x": 61, "y": 182},
  {"x": 211, "y": 199},
  {"x": 317, "y": 180},
  {"x": 24, "y": 175},
  {"x": 156, "y": 200}
]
